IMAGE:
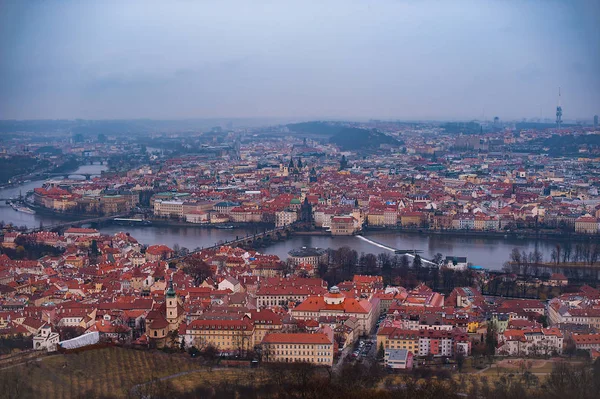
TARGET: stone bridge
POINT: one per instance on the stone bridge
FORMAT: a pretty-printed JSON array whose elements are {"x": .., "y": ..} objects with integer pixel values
[{"x": 251, "y": 240}]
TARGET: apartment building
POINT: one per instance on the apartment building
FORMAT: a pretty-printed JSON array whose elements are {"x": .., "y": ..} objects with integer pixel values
[
  {"x": 225, "y": 335},
  {"x": 315, "y": 348},
  {"x": 284, "y": 218},
  {"x": 397, "y": 338}
]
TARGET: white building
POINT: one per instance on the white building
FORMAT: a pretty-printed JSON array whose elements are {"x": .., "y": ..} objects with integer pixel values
[
  {"x": 46, "y": 340},
  {"x": 168, "y": 208},
  {"x": 285, "y": 218}
]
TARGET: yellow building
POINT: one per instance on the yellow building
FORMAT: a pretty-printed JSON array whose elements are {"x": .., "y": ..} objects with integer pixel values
[
  {"x": 586, "y": 224},
  {"x": 375, "y": 218},
  {"x": 225, "y": 335},
  {"x": 472, "y": 326},
  {"x": 265, "y": 322},
  {"x": 298, "y": 347},
  {"x": 396, "y": 338}
]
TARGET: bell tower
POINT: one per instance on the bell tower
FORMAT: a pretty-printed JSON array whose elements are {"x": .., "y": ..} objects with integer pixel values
[{"x": 171, "y": 298}]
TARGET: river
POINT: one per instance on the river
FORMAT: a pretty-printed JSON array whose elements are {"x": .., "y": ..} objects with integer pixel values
[
  {"x": 9, "y": 215},
  {"x": 490, "y": 253},
  {"x": 487, "y": 252}
]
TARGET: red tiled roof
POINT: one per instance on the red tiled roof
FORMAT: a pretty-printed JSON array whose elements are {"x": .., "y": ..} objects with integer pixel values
[{"x": 296, "y": 338}]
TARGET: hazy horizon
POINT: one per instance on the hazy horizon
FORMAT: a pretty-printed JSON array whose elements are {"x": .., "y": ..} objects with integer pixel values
[{"x": 391, "y": 60}]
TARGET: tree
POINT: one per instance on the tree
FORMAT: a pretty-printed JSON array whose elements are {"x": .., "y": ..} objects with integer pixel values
[
  {"x": 210, "y": 354},
  {"x": 173, "y": 337},
  {"x": 380, "y": 352},
  {"x": 515, "y": 256},
  {"x": 491, "y": 338},
  {"x": 197, "y": 268},
  {"x": 437, "y": 258},
  {"x": 417, "y": 262},
  {"x": 69, "y": 332},
  {"x": 322, "y": 269},
  {"x": 460, "y": 360}
]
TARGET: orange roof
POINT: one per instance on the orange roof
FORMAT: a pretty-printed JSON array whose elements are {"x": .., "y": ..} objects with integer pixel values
[
  {"x": 349, "y": 305},
  {"x": 296, "y": 338},
  {"x": 586, "y": 338}
]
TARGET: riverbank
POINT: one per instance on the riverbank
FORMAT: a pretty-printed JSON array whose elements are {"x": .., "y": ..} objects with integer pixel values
[
  {"x": 546, "y": 235},
  {"x": 68, "y": 217},
  {"x": 259, "y": 227}
]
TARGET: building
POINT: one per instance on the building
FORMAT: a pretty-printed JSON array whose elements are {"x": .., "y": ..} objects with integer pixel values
[
  {"x": 155, "y": 253},
  {"x": 587, "y": 342},
  {"x": 456, "y": 262},
  {"x": 167, "y": 318},
  {"x": 315, "y": 348},
  {"x": 530, "y": 341},
  {"x": 265, "y": 322},
  {"x": 74, "y": 232},
  {"x": 560, "y": 312},
  {"x": 46, "y": 339},
  {"x": 586, "y": 224},
  {"x": 398, "y": 359},
  {"x": 225, "y": 207},
  {"x": 284, "y": 218},
  {"x": 167, "y": 208},
  {"x": 397, "y": 338},
  {"x": 343, "y": 225},
  {"x": 282, "y": 292},
  {"x": 225, "y": 335},
  {"x": 308, "y": 255},
  {"x": 435, "y": 343},
  {"x": 334, "y": 303}
]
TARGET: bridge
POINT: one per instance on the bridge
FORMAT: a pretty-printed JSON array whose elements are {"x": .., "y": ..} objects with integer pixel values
[
  {"x": 75, "y": 223},
  {"x": 66, "y": 175},
  {"x": 278, "y": 233}
]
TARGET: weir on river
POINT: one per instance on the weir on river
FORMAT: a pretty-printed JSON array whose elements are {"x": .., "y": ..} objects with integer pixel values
[{"x": 394, "y": 250}]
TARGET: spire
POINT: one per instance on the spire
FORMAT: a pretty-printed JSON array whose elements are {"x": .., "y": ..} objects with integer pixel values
[
  {"x": 171, "y": 290},
  {"x": 559, "y": 112}
]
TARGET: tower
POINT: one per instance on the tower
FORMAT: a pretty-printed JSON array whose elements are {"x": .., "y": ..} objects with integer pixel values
[
  {"x": 306, "y": 215},
  {"x": 172, "y": 306},
  {"x": 596, "y": 122},
  {"x": 559, "y": 112}
]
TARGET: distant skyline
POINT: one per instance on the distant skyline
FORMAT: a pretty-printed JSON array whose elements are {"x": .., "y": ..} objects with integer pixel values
[{"x": 386, "y": 59}]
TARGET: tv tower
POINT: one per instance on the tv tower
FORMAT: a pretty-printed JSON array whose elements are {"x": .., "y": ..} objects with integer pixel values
[{"x": 559, "y": 112}]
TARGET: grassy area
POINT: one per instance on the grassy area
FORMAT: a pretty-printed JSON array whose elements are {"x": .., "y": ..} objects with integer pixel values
[
  {"x": 189, "y": 382},
  {"x": 108, "y": 372}
]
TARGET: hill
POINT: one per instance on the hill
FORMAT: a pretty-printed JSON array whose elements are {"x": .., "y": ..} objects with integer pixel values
[
  {"x": 350, "y": 138},
  {"x": 316, "y": 128},
  {"x": 108, "y": 372}
]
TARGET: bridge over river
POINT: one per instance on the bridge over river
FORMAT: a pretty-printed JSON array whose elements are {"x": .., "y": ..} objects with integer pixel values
[
  {"x": 75, "y": 223},
  {"x": 278, "y": 233}
]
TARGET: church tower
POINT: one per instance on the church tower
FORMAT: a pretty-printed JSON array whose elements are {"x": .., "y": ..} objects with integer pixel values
[{"x": 172, "y": 313}]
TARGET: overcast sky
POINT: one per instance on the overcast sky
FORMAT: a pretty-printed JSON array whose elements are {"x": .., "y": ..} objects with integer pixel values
[{"x": 419, "y": 59}]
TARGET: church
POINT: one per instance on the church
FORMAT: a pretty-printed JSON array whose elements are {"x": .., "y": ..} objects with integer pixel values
[{"x": 165, "y": 319}]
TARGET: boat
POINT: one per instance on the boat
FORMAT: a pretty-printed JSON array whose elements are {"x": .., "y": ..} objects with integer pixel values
[
  {"x": 228, "y": 227},
  {"x": 24, "y": 209}
]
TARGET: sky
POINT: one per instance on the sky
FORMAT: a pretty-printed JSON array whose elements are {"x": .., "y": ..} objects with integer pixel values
[{"x": 347, "y": 59}]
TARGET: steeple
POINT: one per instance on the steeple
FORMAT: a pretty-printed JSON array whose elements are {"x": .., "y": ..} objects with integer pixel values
[{"x": 171, "y": 291}]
